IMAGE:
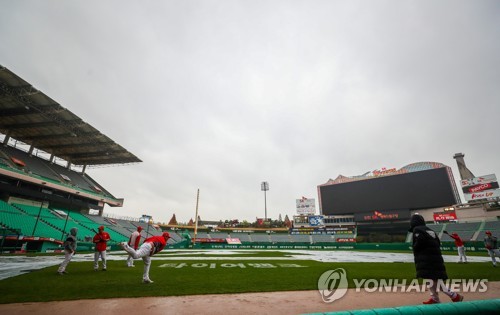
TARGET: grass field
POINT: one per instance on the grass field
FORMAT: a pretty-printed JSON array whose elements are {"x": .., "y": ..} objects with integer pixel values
[{"x": 189, "y": 277}]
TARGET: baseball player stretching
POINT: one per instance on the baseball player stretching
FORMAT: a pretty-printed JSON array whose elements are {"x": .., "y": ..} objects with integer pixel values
[{"x": 150, "y": 247}]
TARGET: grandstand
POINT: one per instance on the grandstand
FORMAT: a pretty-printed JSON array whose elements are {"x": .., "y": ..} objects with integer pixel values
[{"x": 468, "y": 231}]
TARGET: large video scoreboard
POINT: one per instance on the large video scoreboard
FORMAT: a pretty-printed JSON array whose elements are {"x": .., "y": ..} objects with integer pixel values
[{"x": 430, "y": 188}]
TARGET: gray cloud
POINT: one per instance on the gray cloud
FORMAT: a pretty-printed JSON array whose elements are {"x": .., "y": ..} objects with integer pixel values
[{"x": 221, "y": 95}]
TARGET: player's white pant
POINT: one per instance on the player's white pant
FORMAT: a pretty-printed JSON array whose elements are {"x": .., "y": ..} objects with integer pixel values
[
  {"x": 143, "y": 252},
  {"x": 461, "y": 254},
  {"x": 130, "y": 261},
  {"x": 96, "y": 259},
  {"x": 493, "y": 253},
  {"x": 67, "y": 259}
]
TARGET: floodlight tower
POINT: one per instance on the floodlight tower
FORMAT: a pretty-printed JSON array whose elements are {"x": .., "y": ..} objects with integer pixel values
[{"x": 264, "y": 186}]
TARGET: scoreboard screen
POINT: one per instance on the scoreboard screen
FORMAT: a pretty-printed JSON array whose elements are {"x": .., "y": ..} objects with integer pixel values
[{"x": 416, "y": 190}]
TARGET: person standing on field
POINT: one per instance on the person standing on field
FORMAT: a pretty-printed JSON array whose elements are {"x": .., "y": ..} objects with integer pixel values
[
  {"x": 133, "y": 242},
  {"x": 101, "y": 243},
  {"x": 69, "y": 250},
  {"x": 460, "y": 246},
  {"x": 429, "y": 261},
  {"x": 150, "y": 247},
  {"x": 491, "y": 244}
]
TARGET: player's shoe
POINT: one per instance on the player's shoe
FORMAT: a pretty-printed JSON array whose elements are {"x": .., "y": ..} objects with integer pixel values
[
  {"x": 147, "y": 281},
  {"x": 122, "y": 245},
  {"x": 431, "y": 301},
  {"x": 458, "y": 298}
]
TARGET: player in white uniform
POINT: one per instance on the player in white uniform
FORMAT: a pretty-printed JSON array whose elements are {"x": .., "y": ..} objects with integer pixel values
[{"x": 133, "y": 242}]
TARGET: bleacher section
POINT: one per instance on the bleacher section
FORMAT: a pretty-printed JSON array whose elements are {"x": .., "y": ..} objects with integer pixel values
[
  {"x": 39, "y": 221},
  {"x": 260, "y": 237},
  {"x": 492, "y": 226},
  {"x": 280, "y": 238},
  {"x": 300, "y": 238},
  {"x": 241, "y": 236},
  {"x": 468, "y": 231},
  {"x": 13, "y": 218},
  {"x": 218, "y": 235},
  {"x": 199, "y": 234},
  {"x": 322, "y": 238},
  {"x": 438, "y": 228},
  {"x": 464, "y": 230},
  {"x": 43, "y": 169}
]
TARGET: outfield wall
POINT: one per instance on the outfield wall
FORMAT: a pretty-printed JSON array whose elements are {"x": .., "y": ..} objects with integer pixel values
[
  {"x": 406, "y": 247},
  {"x": 470, "y": 246}
]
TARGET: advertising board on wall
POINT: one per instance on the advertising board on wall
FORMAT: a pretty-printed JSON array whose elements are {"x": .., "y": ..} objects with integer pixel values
[
  {"x": 482, "y": 187},
  {"x": 445, "y": 216},
  {"x": 351, "y": 229},
  {"x": 478, "y": 180},
  {"x": 386, "y": 215},
  {"x": 306, "y": 205},
  {"x": 483, "y": 195}
]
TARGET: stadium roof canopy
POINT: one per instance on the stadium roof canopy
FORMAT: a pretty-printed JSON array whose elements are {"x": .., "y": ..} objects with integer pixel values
[{"x": 32, "y": 117}]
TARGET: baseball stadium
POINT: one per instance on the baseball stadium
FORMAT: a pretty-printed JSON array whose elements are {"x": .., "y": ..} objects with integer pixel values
[{"x": 360, "y": 234}]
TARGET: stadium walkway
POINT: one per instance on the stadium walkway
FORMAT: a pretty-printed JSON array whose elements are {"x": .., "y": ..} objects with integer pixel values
[{"x": 296, "y": 302}]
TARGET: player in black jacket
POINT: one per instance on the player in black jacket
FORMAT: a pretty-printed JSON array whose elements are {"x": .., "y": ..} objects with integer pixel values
[{"x": 429, "y": 261}]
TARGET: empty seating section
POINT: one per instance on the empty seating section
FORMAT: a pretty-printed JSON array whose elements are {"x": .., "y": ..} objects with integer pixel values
[
  {"x": 126, "y": 224},
  {"x": 76, "y": 178},
  {"x": 280, "y": 238},
  {"x": 13, "y": 218},
  {"x": 464, "y": 235},
  {"x": 34, "y": 164},
  {"x": 10, "y": 219},
  {"x": 199, "y": 235},
  {"x": 241, "y": 236},
  {"x": 35, "y": 210},
  {"x": 466, "y": 231},
  {"x": 322, "y": 238},
  {"x": 218, "y": 235},
  {"x": 438, "y": 228},
  {"x": 492, "y": 226},
  {"x": 175, "y": 237},
  {"x": 300, "y": 238},
  {"x": 260, "y": 237},
  {"x": 456, "y": 227},
  {"x": 55, "y": 224},
  {"x": 39, "y": 167}
]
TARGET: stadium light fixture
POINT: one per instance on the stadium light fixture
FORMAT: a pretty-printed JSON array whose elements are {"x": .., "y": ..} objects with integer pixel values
[{"x": 264, "y": 186}]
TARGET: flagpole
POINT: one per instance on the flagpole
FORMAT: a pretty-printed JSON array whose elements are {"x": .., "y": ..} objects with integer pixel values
[{"x": 196, "y": 217}]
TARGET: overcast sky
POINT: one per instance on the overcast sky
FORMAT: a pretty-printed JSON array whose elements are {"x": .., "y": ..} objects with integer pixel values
[{"x": 222, "y": 95}]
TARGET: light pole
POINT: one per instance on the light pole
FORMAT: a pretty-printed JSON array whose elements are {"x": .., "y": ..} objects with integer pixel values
[{"x": 264, "y": 186}]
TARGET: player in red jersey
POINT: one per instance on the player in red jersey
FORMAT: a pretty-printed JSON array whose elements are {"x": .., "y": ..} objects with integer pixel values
[
  {"x": 101, "y": 243},
  {"x": 150, "y": 247},
  {"x": 460, "y": 247}
]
